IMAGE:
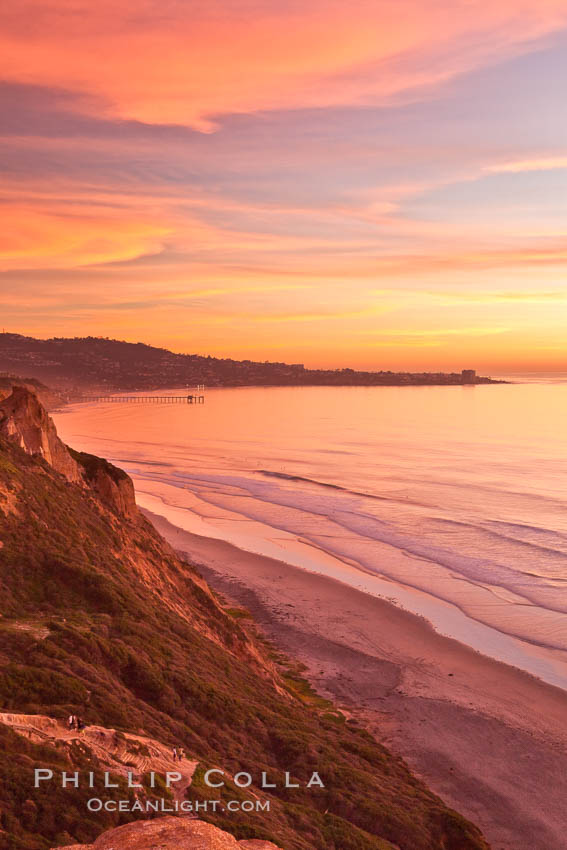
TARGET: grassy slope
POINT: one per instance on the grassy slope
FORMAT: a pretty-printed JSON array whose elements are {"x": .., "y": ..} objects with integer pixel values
[{"x": 119, "y": 654}]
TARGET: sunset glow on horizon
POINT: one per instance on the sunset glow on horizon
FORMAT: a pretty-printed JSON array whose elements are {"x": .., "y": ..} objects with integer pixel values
[{"x": 369, "y": 185}]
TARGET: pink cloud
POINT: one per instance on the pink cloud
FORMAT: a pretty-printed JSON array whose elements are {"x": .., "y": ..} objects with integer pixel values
[{"x": 183, "y": 63}]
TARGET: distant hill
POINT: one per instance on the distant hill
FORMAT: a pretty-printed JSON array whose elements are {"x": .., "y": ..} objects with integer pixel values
[{"x": 95, "y": 363}]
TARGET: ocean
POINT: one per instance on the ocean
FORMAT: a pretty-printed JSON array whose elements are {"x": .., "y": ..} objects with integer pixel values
[{"x": 450, "y": 502}]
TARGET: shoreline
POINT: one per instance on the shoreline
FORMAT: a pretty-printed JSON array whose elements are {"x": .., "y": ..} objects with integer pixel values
[
  {"x": 489, "y": 738},
  {"x": 454, "y": 616}
]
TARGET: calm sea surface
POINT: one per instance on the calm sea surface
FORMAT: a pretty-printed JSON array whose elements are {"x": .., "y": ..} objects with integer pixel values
[{"x": 450, "y": 501}]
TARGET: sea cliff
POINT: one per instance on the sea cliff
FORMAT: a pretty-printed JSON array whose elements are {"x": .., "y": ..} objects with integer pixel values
[{"x": 102, "y": 620}]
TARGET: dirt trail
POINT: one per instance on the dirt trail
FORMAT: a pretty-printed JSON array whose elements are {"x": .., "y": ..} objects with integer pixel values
[{"x": 119, "y": 752}]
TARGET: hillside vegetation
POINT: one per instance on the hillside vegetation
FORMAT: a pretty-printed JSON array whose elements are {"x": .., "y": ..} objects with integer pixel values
[{"x": 100, "y": 618}]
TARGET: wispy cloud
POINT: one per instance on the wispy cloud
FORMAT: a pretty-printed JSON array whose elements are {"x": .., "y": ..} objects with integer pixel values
[
  {"x": 470, "y": 297},
  {"x": 441, "y": 333},
  {"x": 187, "y": 63},
  {"x": 549, "y": 163}
]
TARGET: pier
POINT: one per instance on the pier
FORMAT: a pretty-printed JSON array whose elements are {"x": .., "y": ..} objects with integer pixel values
[{"x": 147, "y": 399}]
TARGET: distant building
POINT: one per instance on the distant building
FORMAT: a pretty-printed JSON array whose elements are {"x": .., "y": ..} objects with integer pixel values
[{"x": 468, "y": 376}]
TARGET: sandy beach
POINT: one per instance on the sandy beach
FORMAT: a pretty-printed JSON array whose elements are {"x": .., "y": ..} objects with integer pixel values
[{"x": 490, "y": 739}]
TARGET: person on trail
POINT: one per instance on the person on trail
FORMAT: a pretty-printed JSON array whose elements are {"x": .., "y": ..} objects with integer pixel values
[
  {"x": 174, "y": 754},
  {"x": 71, "y": 722},
  {"x": 80, "y": 724},
  {"x": 180, "y": 754}
]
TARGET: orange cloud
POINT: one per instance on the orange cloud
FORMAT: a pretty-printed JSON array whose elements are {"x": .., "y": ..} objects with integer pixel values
[{"x": 58, "y": 238}]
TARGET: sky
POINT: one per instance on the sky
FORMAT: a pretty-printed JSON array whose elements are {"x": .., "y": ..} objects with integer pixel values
[{"x": 368, "y": 184}]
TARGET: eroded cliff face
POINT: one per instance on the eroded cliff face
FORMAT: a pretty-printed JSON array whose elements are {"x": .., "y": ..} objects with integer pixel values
[
  {"x": 115, "y": 491},
  {"x": 170, "y": 833},
  {"x": 48, "y": 397},
  {"x": 112, "y": 485},
  {"x": 24, "y": 420}
]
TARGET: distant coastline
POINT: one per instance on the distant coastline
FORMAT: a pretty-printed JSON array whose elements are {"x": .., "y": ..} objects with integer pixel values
[{"x": 86, "y": 364}]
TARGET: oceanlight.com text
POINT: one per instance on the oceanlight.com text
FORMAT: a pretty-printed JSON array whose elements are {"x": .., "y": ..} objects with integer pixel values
[{"x": 163, "y": 806}]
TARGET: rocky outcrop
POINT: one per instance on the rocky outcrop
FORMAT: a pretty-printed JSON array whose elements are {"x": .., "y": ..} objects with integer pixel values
[
  {"x": 49, "y": 397},
  {"x": 169, "y": 833},
  {"x": 24, "y": 420},
  {"x": 111, "y": 484}
]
